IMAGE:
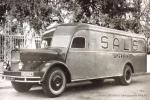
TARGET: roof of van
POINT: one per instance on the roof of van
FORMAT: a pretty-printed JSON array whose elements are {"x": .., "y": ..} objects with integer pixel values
[
  {"x": 104, "y": 29},
  {"x": 79, "y": 26}
]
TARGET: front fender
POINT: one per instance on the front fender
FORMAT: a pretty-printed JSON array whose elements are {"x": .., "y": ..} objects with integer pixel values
[{"x": 48, "y": 65}]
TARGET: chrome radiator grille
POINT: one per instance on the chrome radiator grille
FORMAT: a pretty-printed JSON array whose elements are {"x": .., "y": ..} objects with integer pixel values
[
  {"x": 15, "y": 56},
  {"x": 15, "y": 59}
]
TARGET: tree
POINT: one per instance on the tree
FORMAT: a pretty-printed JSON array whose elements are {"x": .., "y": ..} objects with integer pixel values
[
  {"x": 39, "y": 13},
  {"x": 145, "y": 18},
  {"x": 111, "y": 13},
  {"x": 35, "y": 11},
  {"x": 107, "y": 13}
]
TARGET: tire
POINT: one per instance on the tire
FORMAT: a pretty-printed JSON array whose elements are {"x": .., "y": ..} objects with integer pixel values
[
  {"x": 21, "y": 87},
  {"x": 98, "y": 82},
  {"x": 127, "y": 76},
  {"x": 54, "y": 83}
]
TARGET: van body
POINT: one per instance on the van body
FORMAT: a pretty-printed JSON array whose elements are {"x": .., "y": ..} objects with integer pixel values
[{"x": 77, "y": 52}]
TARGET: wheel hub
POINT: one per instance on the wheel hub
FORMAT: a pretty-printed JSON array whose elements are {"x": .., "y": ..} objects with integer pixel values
[
  {"x": 128, "y": 75},
  {"x": 56, "y": 82}
]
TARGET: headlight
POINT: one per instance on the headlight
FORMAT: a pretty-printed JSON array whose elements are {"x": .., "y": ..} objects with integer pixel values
[
  {"x": 4, "y": 65},
  {"x": 20, "y": 65}
]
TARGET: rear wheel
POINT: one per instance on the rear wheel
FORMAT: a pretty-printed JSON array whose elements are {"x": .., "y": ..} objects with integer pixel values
[
  {"x": 127, "y": 76},
  {"x": 21, "y": 87},
  {"x": 54, "y": 83}
]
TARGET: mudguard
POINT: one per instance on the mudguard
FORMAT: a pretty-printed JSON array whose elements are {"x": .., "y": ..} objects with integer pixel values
[{"x": 48, "y": 65}]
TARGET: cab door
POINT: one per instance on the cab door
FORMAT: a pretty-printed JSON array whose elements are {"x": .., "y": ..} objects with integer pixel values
[{"x": 80, "y": 60}]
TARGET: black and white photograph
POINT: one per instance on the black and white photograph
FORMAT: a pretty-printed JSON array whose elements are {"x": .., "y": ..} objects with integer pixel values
[{"x": 74, "y": 49}]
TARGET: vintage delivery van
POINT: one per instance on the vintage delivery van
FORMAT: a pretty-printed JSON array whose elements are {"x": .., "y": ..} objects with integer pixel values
[{"x": 77, "y": 52}]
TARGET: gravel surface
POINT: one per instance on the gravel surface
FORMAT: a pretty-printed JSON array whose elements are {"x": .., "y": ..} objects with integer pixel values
[{"x": 138, "y": 90}]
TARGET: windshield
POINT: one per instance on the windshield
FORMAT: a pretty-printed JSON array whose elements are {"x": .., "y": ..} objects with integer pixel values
[
  {"x": 56, "y": 41},
  {"x": 60, "y": 41}
]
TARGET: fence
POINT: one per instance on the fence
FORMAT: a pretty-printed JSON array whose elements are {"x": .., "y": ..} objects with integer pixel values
[
  {"x": 1, "y": 48},
  {"x": 9, "y": 42}
]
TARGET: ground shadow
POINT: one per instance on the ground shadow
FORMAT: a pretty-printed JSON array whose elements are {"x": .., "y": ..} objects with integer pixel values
[
  {"x": 75, "y": 88},
  {"x": 6, "y": 87}
]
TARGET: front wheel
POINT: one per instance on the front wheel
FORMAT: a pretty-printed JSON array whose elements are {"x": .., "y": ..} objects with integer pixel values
[
  {"x": 54, "y": 83},
  {"x": 127, "y": 76},
  {"x": 21, "y": 87}
]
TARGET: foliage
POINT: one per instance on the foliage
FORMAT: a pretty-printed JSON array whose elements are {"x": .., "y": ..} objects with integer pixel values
[
  {"x": 33, "y": 11},
  {"x": 112, "y": 12},
  {"x": 145, "y": 18},
  {"x": 107, "y": 13}
]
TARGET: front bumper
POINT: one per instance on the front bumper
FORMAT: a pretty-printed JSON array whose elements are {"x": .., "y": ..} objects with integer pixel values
[{"x": 23, "y": 76}]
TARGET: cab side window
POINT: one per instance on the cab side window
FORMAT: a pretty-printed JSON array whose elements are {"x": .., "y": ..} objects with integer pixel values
[{"x": 78, "y": 42}]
